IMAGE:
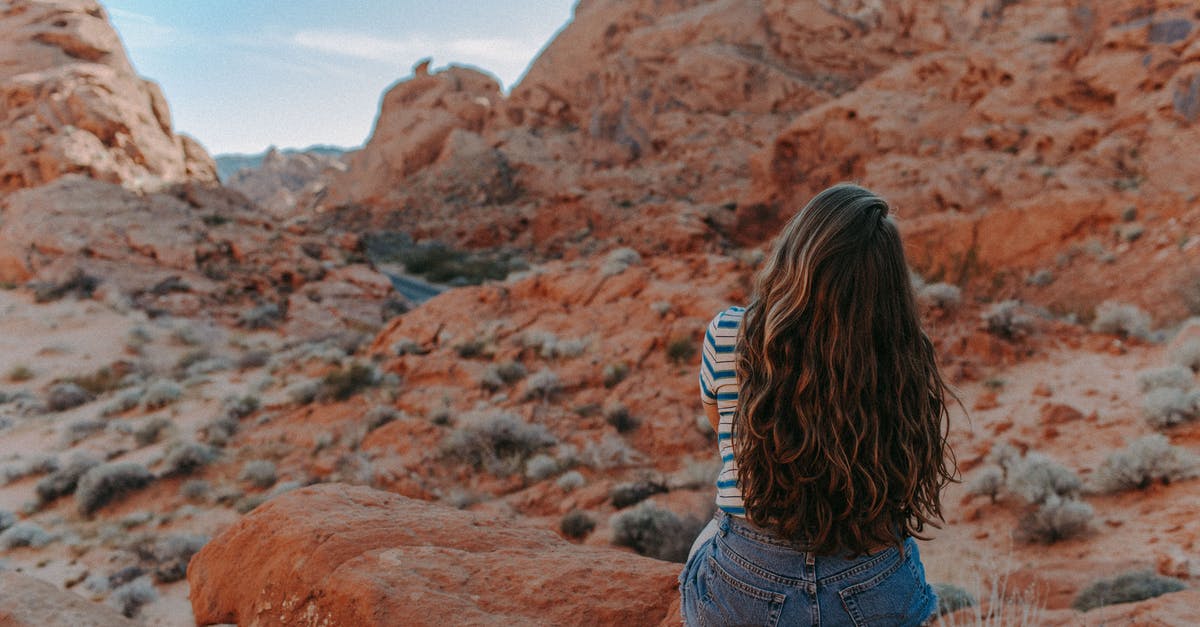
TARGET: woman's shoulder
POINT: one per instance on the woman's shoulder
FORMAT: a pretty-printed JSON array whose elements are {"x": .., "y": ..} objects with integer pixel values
[{"x": 729, "y": 317}]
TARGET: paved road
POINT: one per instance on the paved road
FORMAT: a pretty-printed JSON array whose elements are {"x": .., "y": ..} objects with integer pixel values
[{"x": 410, "y": 287}]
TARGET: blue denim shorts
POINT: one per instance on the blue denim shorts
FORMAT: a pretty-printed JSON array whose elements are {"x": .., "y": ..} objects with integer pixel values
[{"x": 745, "y": 575}]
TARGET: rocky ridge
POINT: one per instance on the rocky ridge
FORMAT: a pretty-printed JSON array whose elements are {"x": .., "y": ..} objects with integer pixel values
[{"x": 73, "y": 104}]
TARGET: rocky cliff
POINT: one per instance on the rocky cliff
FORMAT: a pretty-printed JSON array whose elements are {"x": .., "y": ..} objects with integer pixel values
[{"x": 73, "y": 103}]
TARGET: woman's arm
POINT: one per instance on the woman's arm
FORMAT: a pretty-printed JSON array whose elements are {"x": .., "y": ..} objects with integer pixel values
[{"x": 714, "y": 418}]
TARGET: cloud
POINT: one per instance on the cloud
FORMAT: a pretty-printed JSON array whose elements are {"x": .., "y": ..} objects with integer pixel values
[
  {"x": 505, "y": 57},
  {"x": 140, "y": 31}
]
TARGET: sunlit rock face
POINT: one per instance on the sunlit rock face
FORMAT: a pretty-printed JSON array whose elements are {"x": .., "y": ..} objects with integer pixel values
[{"x": 72, "y": 103}]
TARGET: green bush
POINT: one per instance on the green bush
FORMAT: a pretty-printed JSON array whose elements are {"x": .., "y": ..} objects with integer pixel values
[
  {"x": 343, "y": 383},
  {"x": 105, "y": 483},
  {"x": 681, "y": 349},
  {"x": 1126, "y": 588},
  {"x": 576, "y": 524},
  {"x": 499, "y": 443},
  {"x": 1143, "y": 463},
  {"x": 952, "y": 598},
  {"x": 655, "y": 532}
]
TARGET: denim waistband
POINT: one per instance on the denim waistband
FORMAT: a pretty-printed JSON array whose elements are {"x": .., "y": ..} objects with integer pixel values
[{"x": 727, "y": 522}]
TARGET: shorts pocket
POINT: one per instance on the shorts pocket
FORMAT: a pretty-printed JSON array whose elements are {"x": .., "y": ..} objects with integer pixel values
[
  {"x": 897, "y": 595},
  {"x": 728, "y": 600}
]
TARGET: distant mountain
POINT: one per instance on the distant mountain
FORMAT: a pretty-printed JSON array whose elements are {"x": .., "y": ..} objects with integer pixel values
[{"x": 228, "y": 164}]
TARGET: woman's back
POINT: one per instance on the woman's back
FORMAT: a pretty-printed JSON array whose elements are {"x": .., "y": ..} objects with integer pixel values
[{"x": 831, "y": 430}]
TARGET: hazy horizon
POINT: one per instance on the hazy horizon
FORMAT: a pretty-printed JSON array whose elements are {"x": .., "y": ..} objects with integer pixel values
[{"x": 243, "y": 76}]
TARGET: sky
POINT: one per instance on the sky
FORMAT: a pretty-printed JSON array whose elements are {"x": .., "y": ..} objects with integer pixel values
[{"x": 242, "y": 75}]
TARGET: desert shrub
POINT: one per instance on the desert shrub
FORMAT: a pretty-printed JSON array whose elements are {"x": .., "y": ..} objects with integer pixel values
[
  {"x": 1055, "y": 519},
  {"x": 7, "y": 519},
  {"x": 35, "y": 465},
  {"x": 952, "y": 598},
  {"x": 80, "y": 430},
  {"x": 103, "y": 484},
  {"x": 1037, "y": 478},
  {"x": 123, "y": 402},
  {"x": 576, "y": 524},
  {"x": 24, "y": 534},
  {"x": 549, "y": 346},
  {"x": 250, "y": 502},
  {"x": 1126, "y": 588},
  {"x": 661, "y": 307},
  {"x": 63, "y": 481},
  {"x": 940, "y": 295},
  {"x": 695, "y": 474},
  {"x": 151, "y": 430},
  {"x": 1121, "y": 319},
  {"x": 617, "y": 415},
  {"x": 615, "y": 373},
  {"x": 471, "y": 349},
  {"x": 195, "y": 490},
  {"x": 406, "y": 346},
  {"x": 161, "y": 393},
  {"x": 987, "y": 482},
  {"x": 541, "y": 466},
  {"x": 66, "y": 395},
  {"x": 625, "y": 494},
  {"x": 304, "y": 392},
  {"x": 129, "y": 598},
  {"x": 655, "y": 532},
  {"x": 681, "y": 349},
  {"x": 610, "y": 452},
  {"x": 266, "y": 316},
  {"x": 571, "y": 480},
  {"x": 1187, "y": 355},
  {"x": 240, "y": 406},
  {"x": 1167, "y": 407},
  {"x": 253, "y": 359},
  {"x": 542, "y": 385},
  {"x": 380, "y": 415},
  {"x": 496, "y": 376},
  {"x": 1177, "y": 377},
  {"x": 20, "y": 373},
  {"x": 259, "y": 473},
  {"x": 343, "y": 383},
  {"x": 171, "y": 555},
  {"x": 218, "y": 431},
  {"x": 619, "y": 260},
  {"x": 186, "y": 457},
  {"x": 1005, "y": 319},
  {"x": 1146, "y": 461},
  {"x": 1003, "y": 455},
  {"x": 78, "y": 283},
  {"x": 499, "y": 443}
]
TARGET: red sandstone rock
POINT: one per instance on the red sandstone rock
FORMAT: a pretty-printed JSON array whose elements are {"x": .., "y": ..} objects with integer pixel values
[
  {"x": 341, "y": 555},
  {"x": 73, "y": 103},
  {"x": 29, "y": 602}
]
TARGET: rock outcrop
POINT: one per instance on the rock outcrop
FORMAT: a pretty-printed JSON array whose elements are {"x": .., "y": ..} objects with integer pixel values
[
  {"x": 72, "y": 103},
  {"x": 342, "y": 555},
  {"x": 186, "y": 249},
  {"x": 29, "y": 602},
  {"x": 287, "y": 183}
]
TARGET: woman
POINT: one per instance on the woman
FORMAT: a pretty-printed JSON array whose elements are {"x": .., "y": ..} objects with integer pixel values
[{"x": 831, "y": 421}]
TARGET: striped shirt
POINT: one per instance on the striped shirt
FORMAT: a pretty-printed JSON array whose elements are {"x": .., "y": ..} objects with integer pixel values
[{"x": 719, "y": 386}]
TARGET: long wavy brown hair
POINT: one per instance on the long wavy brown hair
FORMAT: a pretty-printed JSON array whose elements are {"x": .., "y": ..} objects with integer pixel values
[{"x": 840, "y": 431}]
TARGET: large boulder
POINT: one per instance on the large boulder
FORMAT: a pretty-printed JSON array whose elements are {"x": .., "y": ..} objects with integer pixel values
[
  {"x": 29, "y": 602},
  {"x": 340, "y": 555},
  {"x": 415, "y": 123},
  {"x": 73, "y": 103}
]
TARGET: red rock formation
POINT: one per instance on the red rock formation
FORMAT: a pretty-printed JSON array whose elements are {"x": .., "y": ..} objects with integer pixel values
[
  {"x": 287, "y": 184},
  {"x": 342, "y": 555},
  {"x": 73, "y": 103},
  {"x": 29, "y": 602}
]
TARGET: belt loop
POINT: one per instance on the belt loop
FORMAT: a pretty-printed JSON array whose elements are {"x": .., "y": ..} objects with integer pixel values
[
  {"x": 810, "y": 558},
  {"x": 723, "y": 526}
]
